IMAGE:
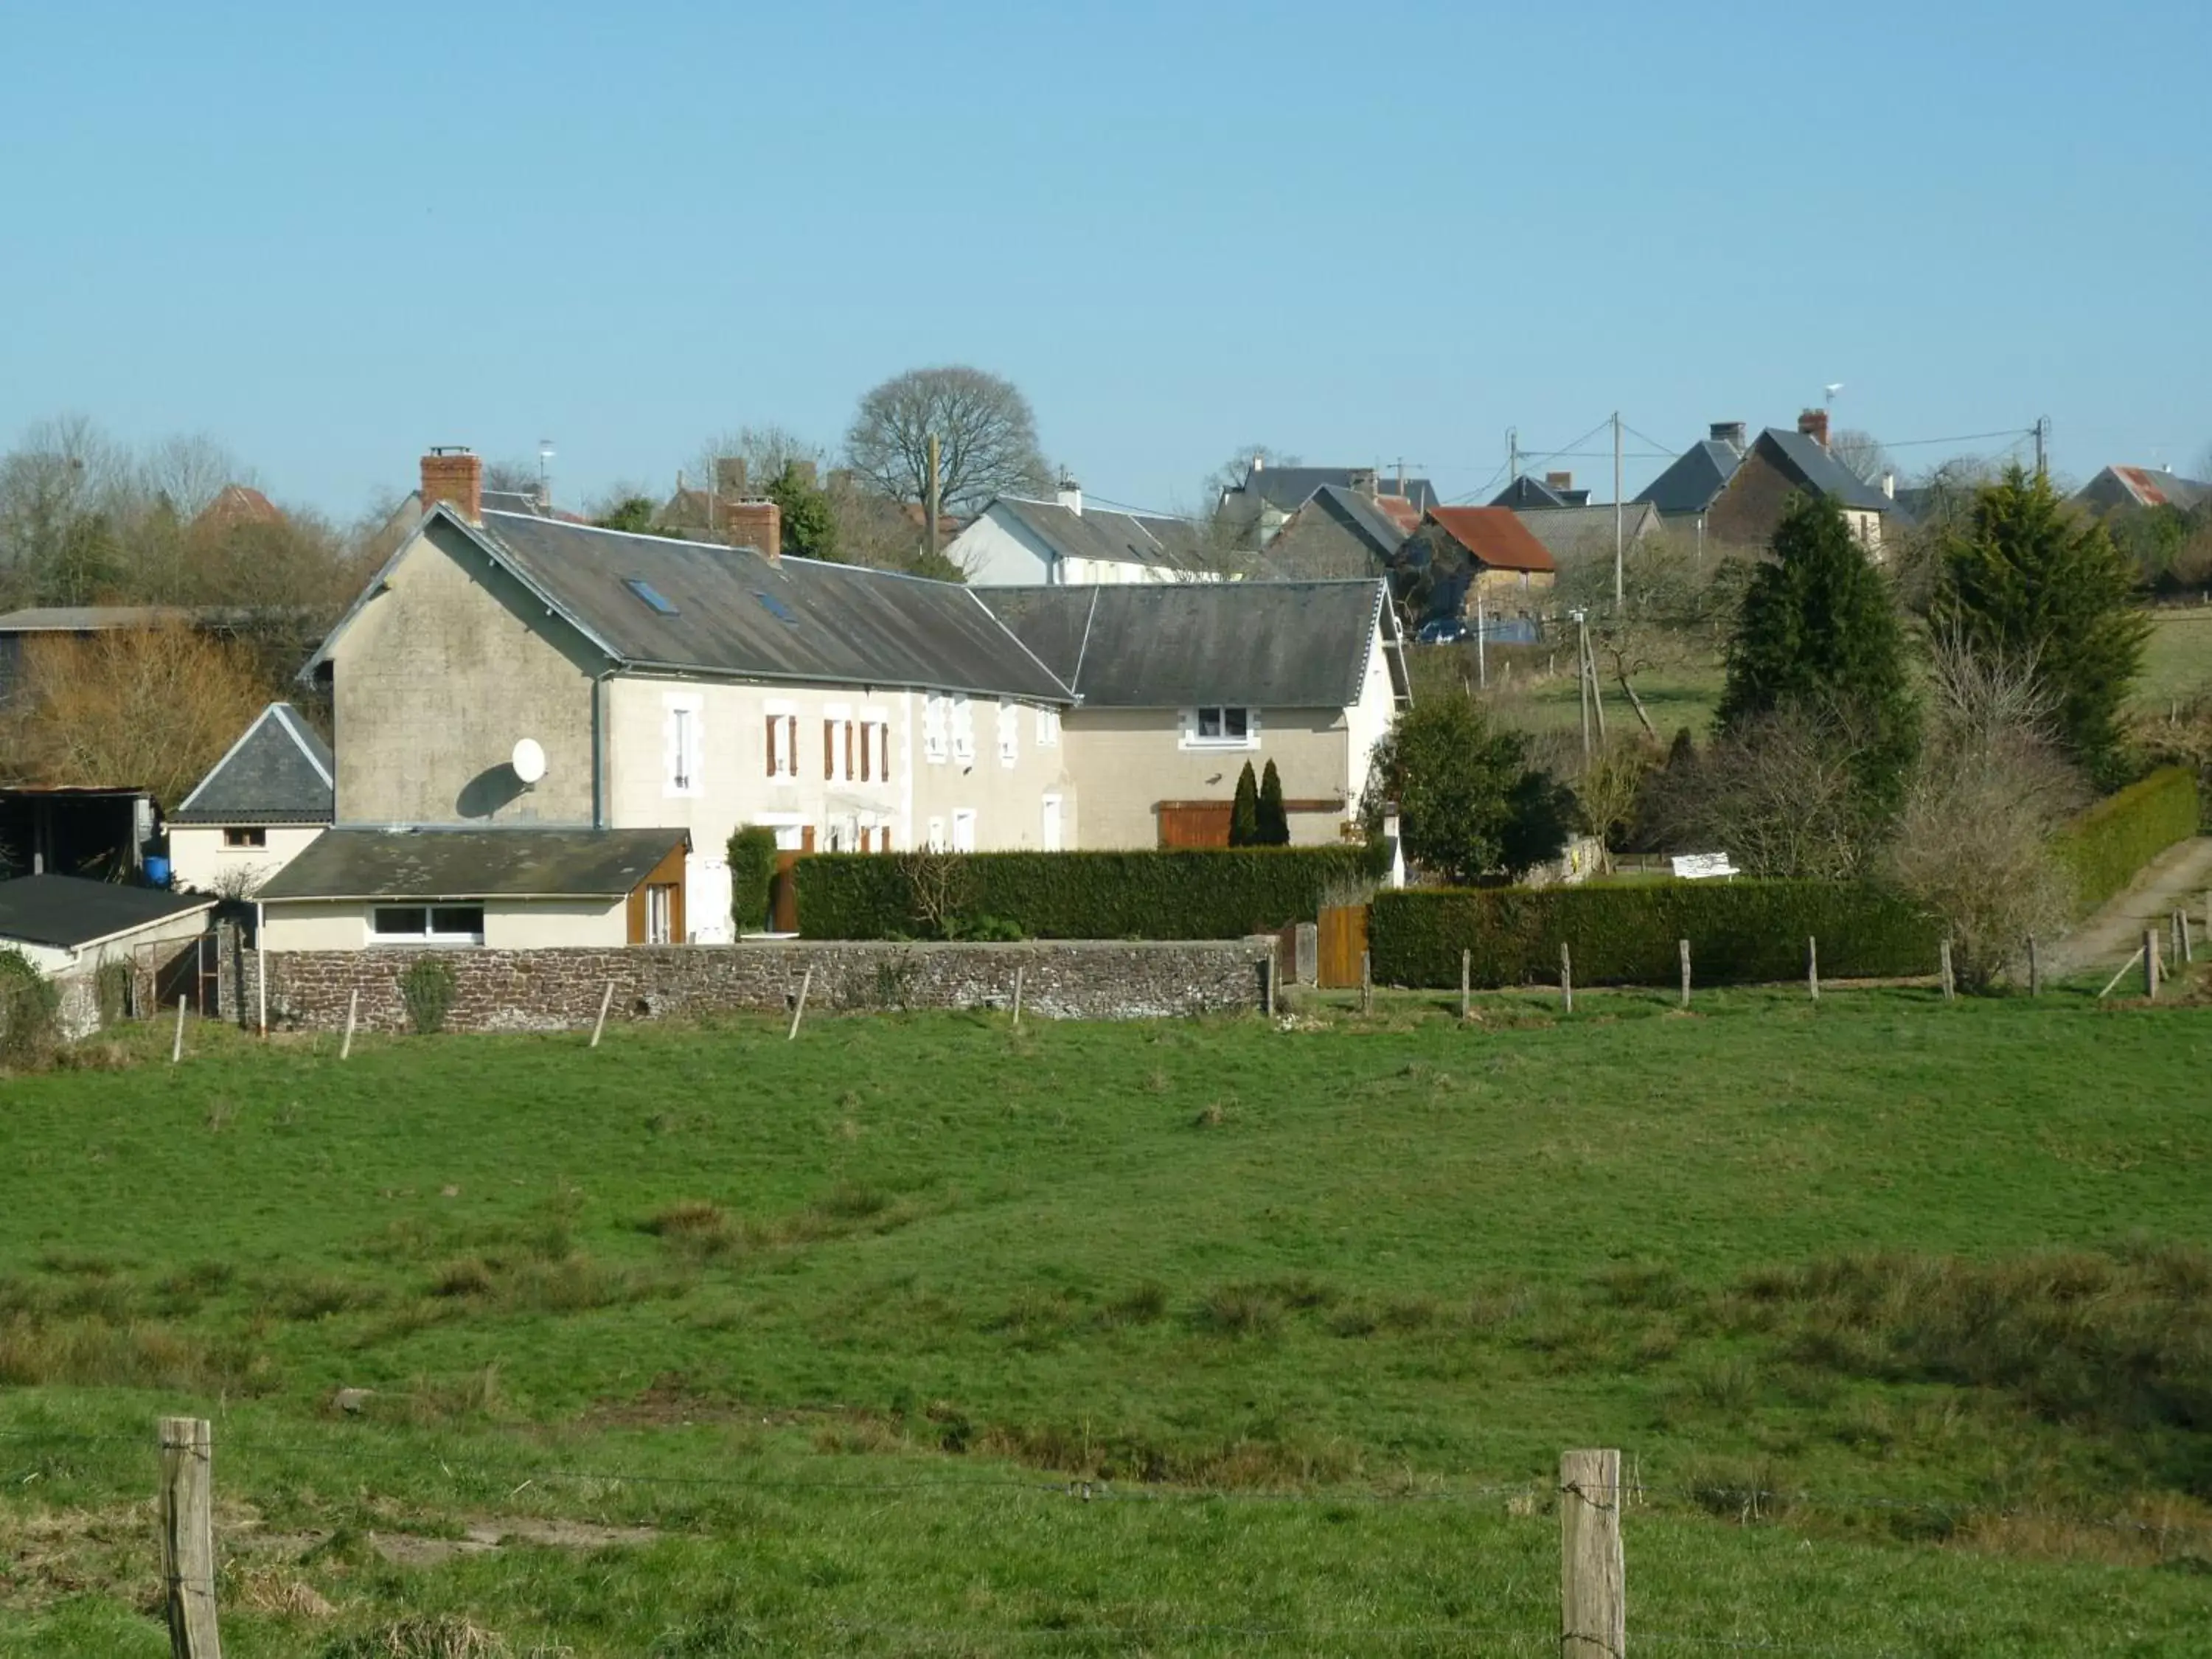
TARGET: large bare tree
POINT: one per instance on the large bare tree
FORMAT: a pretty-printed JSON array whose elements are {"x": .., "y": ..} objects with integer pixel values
[
  {"x": 1861, "y": 452},
  {"x": 765, "y": 449},
  {"x": 985, "y": 430}
]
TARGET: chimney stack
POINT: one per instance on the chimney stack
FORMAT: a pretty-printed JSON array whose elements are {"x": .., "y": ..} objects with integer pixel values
[
  {"x": 1364, "y": 482},
  {"x": 730, "y": 477},
  {"x": 803, "y": 471},
  {"x": 1259, "y": 463},
  {"x": 1729, "y": 432},
  {"x": 1814, "y": 424},
  {"x": 1070, "y": 496},
  {"x": 1560, "y": 483},
  {"x": 1889, "y": 485},
  {"x": 454, "y": 474},
  {"x": 757, "y": 525}
]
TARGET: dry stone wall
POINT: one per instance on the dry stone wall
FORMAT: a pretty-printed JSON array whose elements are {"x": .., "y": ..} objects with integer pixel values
[{"x": 549, "y": 990}]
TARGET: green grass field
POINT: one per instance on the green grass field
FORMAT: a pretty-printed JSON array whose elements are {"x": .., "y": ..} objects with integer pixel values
[
  {"x": 2177, "y": 659},
  {"x": 1902, "y": 1312}
]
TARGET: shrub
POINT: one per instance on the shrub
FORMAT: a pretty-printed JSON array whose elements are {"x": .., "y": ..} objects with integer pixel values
[
  {"x": 1742, "y": 932},
  {"x": 2109, "y": 843},
  {"x": 751, "y": 854},
  {"x": 1244, "y": 809},
  {"x": 1204, "y": 893},
  {"x": 427, "y": 988},
  {"x": 1274, "y": 819},
  {"x": 30, "y": 1012}
]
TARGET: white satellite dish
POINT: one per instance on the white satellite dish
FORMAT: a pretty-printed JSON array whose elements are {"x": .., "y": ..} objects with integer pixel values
[{"x": 529, "y": 760}]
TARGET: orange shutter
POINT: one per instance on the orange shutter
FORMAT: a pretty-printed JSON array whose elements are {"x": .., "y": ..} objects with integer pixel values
[
  {"x": 769, "y": 747},
  {"x": 829, "y": 748},
  {"x": 849, "y": 748},
  {"x": 867, "y": 734},
  {"x": 883, "y": 760}
]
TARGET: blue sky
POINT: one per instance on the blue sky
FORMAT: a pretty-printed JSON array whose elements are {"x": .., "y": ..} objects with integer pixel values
[{"x": 331, "y": 235}]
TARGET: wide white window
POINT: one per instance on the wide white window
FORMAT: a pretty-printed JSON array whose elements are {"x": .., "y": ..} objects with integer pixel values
[
  {"x": 1218, "y": 727},
  {"x": 963, "y": 731},
  {"x": 874, "y": 759},
  {"x": 1010, "y": 734},
  {"x": 935, "y": 728},
  {"x": 1048, "y": 728},
  {"x": 684, "y": 742},
  {"x": 427, "y": 924},
  {"x": 963, "y": 829}
]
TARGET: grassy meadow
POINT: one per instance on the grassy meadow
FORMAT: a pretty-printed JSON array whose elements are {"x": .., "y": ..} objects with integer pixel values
[{"x": 926, "y": 1335}]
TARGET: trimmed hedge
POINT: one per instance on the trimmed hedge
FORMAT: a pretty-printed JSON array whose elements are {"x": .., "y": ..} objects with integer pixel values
[
  {"x": 1740, "y": 933},
  {"x": 2107, "y": 845},
  {"x": 1209, "y": 893}
]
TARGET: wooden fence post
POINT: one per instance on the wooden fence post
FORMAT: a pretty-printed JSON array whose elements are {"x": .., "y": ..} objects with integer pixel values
[
  {"x": 1366, "y": 981},
  {"x": 1812, "y": 967},
  {"x": 799, "y": 1010},
  {"x": 1682, "y": 949},
  {"x": 2125, "y": 969},
  {"x": 1950, "y": 984},
  {"x": 353, "y": 1012},
  {"x": 599, "y": 1025},
  {"x": 187, "y": 1508},
  {"x": 2149, "y": 956},
  {"x": 1268, "y": 971},
  {"x": 2034, "y": 968},
  {"x": 1020, "y": 969},
  {"x": 1466, "y": 983},
  {"x": 1593, "y": 1573},
  {"x": 1566, "y": 977},
  {"x": 2182, "y": 951},
  {"x": 177, "y": 1043}
]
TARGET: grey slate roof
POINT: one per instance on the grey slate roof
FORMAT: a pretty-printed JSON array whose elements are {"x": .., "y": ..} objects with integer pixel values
[
  {"x": 1819, "y": 470},
  {"x": 736, "y": 613},
  {"x": 1288, "y": 487},
  {"x": 1528, "y": 492},
  {"x": 1694, "y": 479},
  {"x": 1098, "y": 533},
  {"x": 1360, "y": 511},
  {"x": 1567, "y": 531},
  {"x": 430, "y": 865},
  {"x": 279, "y": 772},
  {"x": 71, "y": 912},
  {"x": 1275, "y": 645}
]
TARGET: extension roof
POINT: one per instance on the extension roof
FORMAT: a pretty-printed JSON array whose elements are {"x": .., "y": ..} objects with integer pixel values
[
  {"x": 1568, "y": 530},
  {"x": 71, "y": 912},
  {"x": 1694, "y": 480},
  {"x": 1288, "y": 487},
  {"x": 1098, "y": 534},
  {"x": 729, "y": 612},
  {"x": 1273, "y": 645},
  {"x": 279, "y": 772},
  {"x": 1494, "y": 536},
  {"x": 1810, "y": 465},
  {"x": 430, "y": 866},
  {"x": 1529, "y": 493},
  {"x": 2147, "y": 486}
]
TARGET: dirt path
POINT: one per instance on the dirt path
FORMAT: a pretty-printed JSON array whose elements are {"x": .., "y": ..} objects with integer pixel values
[{"x": 2176, "y": 878}]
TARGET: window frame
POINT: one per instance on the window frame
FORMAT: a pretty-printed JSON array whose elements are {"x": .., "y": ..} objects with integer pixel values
[
  {"x": 1194, "y": 735},
  {"x": 429, "y": 934},
  {"x": 245, "y": 838},
  {"x": 683, "y": 743}
]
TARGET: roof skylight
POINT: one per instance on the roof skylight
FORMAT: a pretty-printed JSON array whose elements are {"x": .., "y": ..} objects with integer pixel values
[
  {"x": 649, "y": 594},
  {"x": 776, "y": 607}
]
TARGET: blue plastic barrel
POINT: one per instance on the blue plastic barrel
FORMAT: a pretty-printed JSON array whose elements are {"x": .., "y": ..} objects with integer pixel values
[{"x": 157, "y": 870}]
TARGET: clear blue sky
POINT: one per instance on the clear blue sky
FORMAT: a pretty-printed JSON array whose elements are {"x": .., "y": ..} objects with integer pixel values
[{"x": 328, "y": 235}]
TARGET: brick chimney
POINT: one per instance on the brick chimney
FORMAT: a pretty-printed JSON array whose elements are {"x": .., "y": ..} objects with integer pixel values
[
  {"x": 757, "y": 525},
  {"x": 455, "y": 475},
  {"x": 1814, "y": 424},
  {"x": 1365, "y": 482}
]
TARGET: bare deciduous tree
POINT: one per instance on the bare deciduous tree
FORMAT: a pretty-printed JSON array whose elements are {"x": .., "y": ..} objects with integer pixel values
[
  {"x": 1861, "y": 452},
  {"x": 188, "y": 472},
  {"x": 1781, "y": 795},
  {"x": 985, "y": 430},
  {"x": 765, "y": 449}
]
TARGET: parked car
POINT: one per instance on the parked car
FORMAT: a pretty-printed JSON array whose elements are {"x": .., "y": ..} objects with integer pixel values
[{"x": 1443, "y": 630}]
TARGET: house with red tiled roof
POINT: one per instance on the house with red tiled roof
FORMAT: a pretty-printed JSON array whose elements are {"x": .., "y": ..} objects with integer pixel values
[
  {"x": 235, "y": 504},
  {"x": 2120, "y": 489},
  {"x": 1466, "y": 558}
]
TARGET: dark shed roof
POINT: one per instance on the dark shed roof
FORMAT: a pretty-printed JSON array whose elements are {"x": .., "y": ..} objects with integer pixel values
[
  {"x": 1274, "y": 644},
  {"x": 473, "y": 864},
  {"x": 71, "y": 912},
  {"x": 1099, "y": 533},
  {"x": 1695, "y": 477},
  {"x": 1288, "y": 487},
  {"x": 1819, "y": 470},
  {"x": 279, "y": 772}
]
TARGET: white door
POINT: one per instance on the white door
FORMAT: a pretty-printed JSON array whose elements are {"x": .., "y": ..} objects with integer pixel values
[
  {"x": 963, "y": 829},
  {"x": 707, "y": 899},
  {"x": 1051, "y": 824}
]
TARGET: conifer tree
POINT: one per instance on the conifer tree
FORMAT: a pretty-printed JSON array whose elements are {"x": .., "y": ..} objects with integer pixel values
[
  {"x": 1244, "y": 812},
  {"x": 1274, "y": 817}
]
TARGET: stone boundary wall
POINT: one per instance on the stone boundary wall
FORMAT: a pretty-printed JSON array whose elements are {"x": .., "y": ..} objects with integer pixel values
[{"x": 551, "y": 990}]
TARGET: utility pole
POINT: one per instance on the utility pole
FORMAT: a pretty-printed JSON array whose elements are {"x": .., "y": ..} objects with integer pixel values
[
  {"x": 1481, "y": 646},
  {"x": 2043, "y": 445},
  {"x": 1581, "y": 673},
  {"x": 1618, "y": 558},
  {"x": 1512, "y": 454},
  {"x": 929, "y": 504}
]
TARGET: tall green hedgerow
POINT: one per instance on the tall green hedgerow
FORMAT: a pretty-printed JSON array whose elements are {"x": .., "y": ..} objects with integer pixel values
[
  {"x": 751, "y": 854},
  {"x": 2109, "y": 843},
  {"x": 30, "y": 1013},
  {"x": 1740, "y": 933},
  {"x": 1200, "y": 893}
]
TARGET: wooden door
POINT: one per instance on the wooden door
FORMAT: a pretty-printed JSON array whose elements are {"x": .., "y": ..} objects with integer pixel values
[
  {"x": 1342, "y": 944},
  {"x": 1194, "y": 823}
]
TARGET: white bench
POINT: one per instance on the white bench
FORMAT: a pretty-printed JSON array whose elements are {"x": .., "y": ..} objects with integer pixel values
[{"x": 1703, "y": 866}]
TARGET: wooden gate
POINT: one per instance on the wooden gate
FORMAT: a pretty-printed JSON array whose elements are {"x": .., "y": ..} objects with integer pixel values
[
  {"x": 1342, "y": 944},
  {"x": 1194, "y": 823}
]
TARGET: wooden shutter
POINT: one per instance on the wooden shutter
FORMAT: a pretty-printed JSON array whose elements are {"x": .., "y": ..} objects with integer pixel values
[
  {"x": 883, "y": 755},
  {"x": 829, "y": 748},
  {"x": 791, "y": 745},
  {"x": 769, "y": 747},
  {"x": 848, "y": 750},
  {"x": 867, "y": 743}
]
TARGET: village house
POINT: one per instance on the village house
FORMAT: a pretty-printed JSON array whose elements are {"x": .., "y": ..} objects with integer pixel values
[
  {"x": 1724, "y": 490},
  {"x": 1016, "y": 541},
  {"x": 1178, "y": 688},
  {"x": 1249, "y": 515},
  {"x": 76, "y": 932},
  {"x": 258, "y": 808},
  {"x": 1476, "y": 563},
  {"x": 1338, "y": 534}
]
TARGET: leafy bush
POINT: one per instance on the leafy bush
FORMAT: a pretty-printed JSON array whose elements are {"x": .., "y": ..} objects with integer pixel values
[
  {"x": 751, "y": 854},
  {"x": 427, "y": 988},
  {"x": 1740, "y": 933},
  {"x": 1206, "y": 893},
  {"x": 2109, "y": 843},
  {"x": 30, "y": 1013}
]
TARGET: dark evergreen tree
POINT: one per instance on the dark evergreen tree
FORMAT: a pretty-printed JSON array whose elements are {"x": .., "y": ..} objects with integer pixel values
[
  {"x": 1273, "y": 826},
  {"x": 809, "y": 526},
  {"x": 1818, "y": 632},
  {"x": 2025, "y": 579},
  {"x": 1470, "y": 806},
  {"x": 1244, "y": 812}
]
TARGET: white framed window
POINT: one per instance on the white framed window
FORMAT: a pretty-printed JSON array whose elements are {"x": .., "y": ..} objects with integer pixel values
[
  {"x": 935, "y": 728},
  {"x": 1010, "y": 734},
  {"x": 874, "y": 757},
  {"x": 963, "y": 829},
  {"x": 426, "y": 924},
  {"x": 246, "y": 836},
  {"x": 963, "y": 731},
  {"x": 1051, "y": 826},
  {"x": 1048, "y": 728},
  {"x": 683, "y": 742},
  {"x": 661, "y": 913},
  {"x": 936, "y": 841},
  {"x": 779, "y": 739},
  {"x": 1221, "y": 728}
]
